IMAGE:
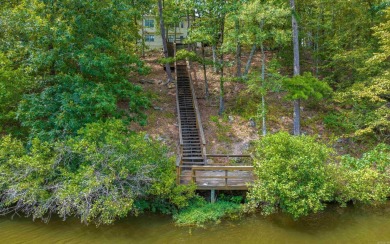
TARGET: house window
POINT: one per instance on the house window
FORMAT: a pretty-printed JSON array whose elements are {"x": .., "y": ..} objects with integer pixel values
[
  {"x": 149, "y": 23},
  {"x": 149, "y": 38},
  {"x": 181, "y": 24},
  {"x": 181, "y": 38},
  {"x": 171, "y": 38}
]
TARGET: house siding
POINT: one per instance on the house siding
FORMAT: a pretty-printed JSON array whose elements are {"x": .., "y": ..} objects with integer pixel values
[{"x": 157, "y": 43}]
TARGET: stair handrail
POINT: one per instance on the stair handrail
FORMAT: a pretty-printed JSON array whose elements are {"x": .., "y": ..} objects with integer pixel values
[
  {"x": 198, "y": 119},
  {"x": 180, "y": 156}
]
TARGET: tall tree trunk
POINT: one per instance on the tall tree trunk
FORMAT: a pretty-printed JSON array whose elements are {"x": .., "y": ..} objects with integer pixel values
[
  {"x": 222, "y": 88},
  {"x": 317, "y": 44},
  {"x": 143, "y": 37},
  {"x": 164, "y": 41},
  {"x": 206, "y": 85},
  {"x": 214, "y": 48},
  {"x": 297, "y": 122},
  {"x": 263, "y": 112},
  {"x": 238, "y": 49},
  {"x": 249, "y": 62},
  {"x": 174, "y": 38},
  {"x": 189, "y": 48}
]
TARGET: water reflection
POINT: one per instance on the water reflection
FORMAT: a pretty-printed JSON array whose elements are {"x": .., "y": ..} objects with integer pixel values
[{"x": 337, "y": 225}]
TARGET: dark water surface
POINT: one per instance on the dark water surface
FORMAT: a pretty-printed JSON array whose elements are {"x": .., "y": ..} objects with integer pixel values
[{"x": 335, "y": 225}]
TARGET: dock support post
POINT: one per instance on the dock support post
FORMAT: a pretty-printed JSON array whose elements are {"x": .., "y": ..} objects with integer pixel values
[{"x": 212, "y": 196}]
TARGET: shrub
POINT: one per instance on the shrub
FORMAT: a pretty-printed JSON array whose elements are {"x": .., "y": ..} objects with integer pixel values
[
  {"x": 365, "y": 180},
  {"x": 292, "y": 175}
]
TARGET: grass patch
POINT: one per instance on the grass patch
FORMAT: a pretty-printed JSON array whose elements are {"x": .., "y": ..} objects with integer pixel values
[
  {"x": 200, "y": 213},
  {"x": 246, "y": 105},
  {"x": 222, "y": 128}
]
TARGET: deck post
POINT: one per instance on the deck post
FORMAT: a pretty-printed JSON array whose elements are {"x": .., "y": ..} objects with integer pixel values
[
  {"x": 212, "y": 196},
  {"x": 226, "y": 178}
]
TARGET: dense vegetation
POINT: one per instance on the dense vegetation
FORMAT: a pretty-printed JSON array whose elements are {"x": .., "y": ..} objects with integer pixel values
[
  {"x": 68, "y": 96},
  {"x": 299, "y": 175},
  {"x": 101, "y": 174}
]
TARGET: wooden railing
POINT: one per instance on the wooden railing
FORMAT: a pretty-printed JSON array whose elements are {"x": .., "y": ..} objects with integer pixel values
[
  {"x": 180, "y": 153},
  {"x": 217, "y": 177}
]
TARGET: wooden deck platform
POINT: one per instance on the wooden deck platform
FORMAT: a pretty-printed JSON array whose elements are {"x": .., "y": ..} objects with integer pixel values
[{"x": 218, "y": 177}]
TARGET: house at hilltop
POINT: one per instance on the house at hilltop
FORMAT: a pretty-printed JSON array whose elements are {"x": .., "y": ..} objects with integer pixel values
[{"x": 150, "y": 32}]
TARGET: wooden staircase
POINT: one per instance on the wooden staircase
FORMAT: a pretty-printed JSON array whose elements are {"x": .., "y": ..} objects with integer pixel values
[
  {"x": 192, "y": 142},
  {"x": 192, "y": 161},
  {"x": 192, "y": 146}
]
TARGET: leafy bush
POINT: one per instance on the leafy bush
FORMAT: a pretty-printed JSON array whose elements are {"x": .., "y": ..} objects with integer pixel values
[
  {"x": 292, "y": 175},
  {"x": 306, "y": 86},
  {"x": 199, "y": 213},
  {"x": 97, "y": 175},
  {"x": 365, "y": 180}
]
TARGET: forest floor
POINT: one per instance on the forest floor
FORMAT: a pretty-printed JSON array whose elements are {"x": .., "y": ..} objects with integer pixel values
[{"x": 233, "y": 132}]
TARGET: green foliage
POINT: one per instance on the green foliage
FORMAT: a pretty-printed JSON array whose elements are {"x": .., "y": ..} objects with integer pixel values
[
  {"x": 62, "y": 109},
  {"x": 185, "y": 54},
  {"x": 24, "y": 177},
  {"x": 273, "y": 79},
  {"x": 339, "y": 123},
  {"x": 97, "y": 175},
  {"x": 370, "y": 112},
  {"x": 292, "y": 175},
  {"x": 365, "y": 180},
  {"x": 182, "y": 55},
  {"x": 199, "y": 213},
  {"x": 78, "y": 68},
  {"x": 13, "y": 83},
  {"x": 306, "y": 86},
  {"x": 382, "y": 32},
  {"x": 265, "y": 22}
]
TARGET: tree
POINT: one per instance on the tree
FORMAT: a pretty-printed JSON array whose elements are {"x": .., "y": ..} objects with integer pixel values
[
  {"x": 365, "y": 111},
  {"x": 297, "y": 106},
  {"x": 79, "y": 69},
  {"x": 303, "y": 87},
  {"x": 164, "y": 40},
  {"x": 265, "y": 27}
]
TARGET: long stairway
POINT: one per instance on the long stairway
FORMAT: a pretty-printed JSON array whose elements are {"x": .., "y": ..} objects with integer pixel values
[
  {"x": 191, "y": 165},
  {"x": 191, "y": 141}
]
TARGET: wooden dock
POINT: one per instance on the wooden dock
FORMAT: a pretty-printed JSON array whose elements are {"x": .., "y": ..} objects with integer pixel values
[
  {"x": 218, "y": 177},
  {"x": 192, "y": 158}
]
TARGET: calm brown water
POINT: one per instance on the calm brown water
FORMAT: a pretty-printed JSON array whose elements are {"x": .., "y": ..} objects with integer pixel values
[{"x": 335, "y": 225}]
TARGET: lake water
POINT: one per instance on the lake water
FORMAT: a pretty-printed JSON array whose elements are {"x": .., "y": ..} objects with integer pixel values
[{"x": 335, "y": 225}]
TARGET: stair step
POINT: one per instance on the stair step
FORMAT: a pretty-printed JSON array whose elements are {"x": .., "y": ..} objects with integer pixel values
[
  {"x": 192, "y": 158},
  {"x": 193, "y": 163}
]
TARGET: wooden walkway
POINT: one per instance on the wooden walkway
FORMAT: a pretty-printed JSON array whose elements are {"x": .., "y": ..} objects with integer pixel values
[{"x": 192, "y": 160}]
